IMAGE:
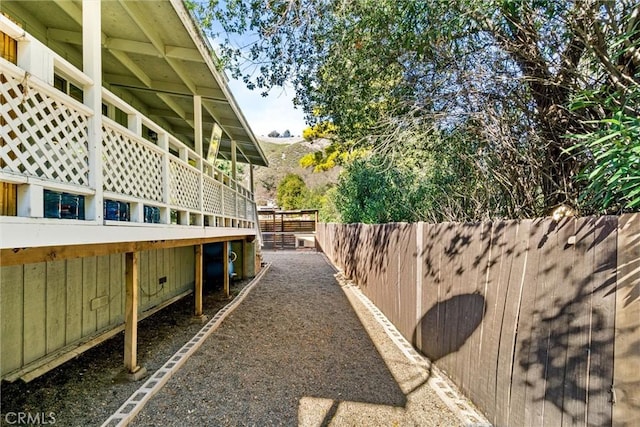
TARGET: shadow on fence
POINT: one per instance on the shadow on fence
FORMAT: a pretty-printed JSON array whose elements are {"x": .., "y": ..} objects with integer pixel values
[
  {"x": 470, "y": 307},
  {"x": 535, "y": 320}
]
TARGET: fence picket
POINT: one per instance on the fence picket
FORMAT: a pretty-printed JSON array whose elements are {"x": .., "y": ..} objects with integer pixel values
[{"x": 519, "y": 314}]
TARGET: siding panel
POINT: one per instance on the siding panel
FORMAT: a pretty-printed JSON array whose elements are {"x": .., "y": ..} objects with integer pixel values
[
  {"x": 89, "y": 271},
  {"x": 34, "y": 313},
  {"x": 11, "y": 298},
  {"x": 73, "y": 322},
  {"x": 56, "y": 305}
]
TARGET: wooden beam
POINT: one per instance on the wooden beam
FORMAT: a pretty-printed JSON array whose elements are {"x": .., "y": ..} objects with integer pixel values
[
  {"x": 131, "y": 66},
  {"x": 225, "y": 267},
  {"x": 197, "y": 124},
  {"x": 183, "y": 74},
  {"x": 186, "y": 54},
  {"x": 177, "y": 89},
  {"x": 131, "y": 312},
  {"x": 175, "y": 107},
  {"x": 245, "y": 259},
  {"x": 198, "y": 284},
  {"x": 131, "y": 46},
  {"x": 70, "y": 9},
  {"x": 71, "y": 37},
  {"x": 18, "y": 256}
]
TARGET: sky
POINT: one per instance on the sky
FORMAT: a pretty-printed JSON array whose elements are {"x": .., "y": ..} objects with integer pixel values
[{"x": 266, "y": 114}]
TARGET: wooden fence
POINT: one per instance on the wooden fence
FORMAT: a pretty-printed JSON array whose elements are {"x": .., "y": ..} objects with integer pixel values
[
  {"x": 537, "y": 321},
  {"x": 288, "y": 229}
]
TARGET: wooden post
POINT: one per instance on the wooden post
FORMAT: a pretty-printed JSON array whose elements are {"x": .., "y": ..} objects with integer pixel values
[
  {"x": 251, "y": 184},
  {"x": 92, "y": 67},
  {"x": 315, "y": 234},
  {"x": 419, "y": 229},
  {"x": 626, "y": 376},
  {"x": 274, "y": 230},
  {"x": 131, "y": 312},
  {"x": 234, "y": 161},
  {"x": 198, "y": 137},
  {"x": 245, "y": 267},
  {"x": 281, "y": 230},
  {"x": 225, "y": 267},
  {"x": 198, "y": 285}
]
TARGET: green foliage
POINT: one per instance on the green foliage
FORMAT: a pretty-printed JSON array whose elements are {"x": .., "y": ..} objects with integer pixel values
[
  {"x": 292, "y": 192},
  {"x": 333, "y": 155},
  {"x": 328, "y": 211},
  {"x": 468, "y": 104},
  {"x": 225, "y": 166},
  {"x": 319, "y": 130},
  {"x": 608, "y": 144},
  {"x": 613, "y": 172},
  {"x": 370, "y": 192}
]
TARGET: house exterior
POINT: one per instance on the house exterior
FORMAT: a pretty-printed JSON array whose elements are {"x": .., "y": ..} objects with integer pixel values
[{"x": 112, "y": 116}]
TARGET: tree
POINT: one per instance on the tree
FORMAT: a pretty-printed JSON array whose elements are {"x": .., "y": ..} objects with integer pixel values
[
  {"x": 291, "y": 192},
  {"x": 498, "y": 77},
  {"x": 368, "y": 192},
  {"x": 226, "y": 166},
  {"x": 319, "y": 130}
]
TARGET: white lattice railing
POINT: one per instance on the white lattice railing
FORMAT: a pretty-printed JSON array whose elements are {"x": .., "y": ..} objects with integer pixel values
[
  {"x": 185, "y": 185},
  {"x": 212, "y": 196},
  {"x": 132, "y": 167},
  {"x": 44, "y": 140},
  {"x": 43, "y": 134}
]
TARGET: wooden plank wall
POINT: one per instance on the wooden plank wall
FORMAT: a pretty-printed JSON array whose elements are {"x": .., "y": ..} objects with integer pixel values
[
  {"x": 522, "y": 315},
  {"x": 47, "y": 306},
  {"x": 627, "y": 325}
]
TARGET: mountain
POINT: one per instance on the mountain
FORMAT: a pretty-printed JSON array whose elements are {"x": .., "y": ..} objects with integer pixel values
[{"x": 284, "y": 156}]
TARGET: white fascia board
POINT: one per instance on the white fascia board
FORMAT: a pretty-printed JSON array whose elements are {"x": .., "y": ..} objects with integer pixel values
[{"x": 17, "y": 232}]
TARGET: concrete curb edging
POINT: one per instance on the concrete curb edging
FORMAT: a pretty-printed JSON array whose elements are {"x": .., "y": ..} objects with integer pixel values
[{"x": 130, "y": 408}]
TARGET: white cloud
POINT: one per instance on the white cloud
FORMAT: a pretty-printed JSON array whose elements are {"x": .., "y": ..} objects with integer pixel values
[{"x": 265, "y": 114}]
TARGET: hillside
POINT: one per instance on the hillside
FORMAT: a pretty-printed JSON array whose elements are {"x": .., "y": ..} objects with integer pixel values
[{"x": 284, "y": 156}]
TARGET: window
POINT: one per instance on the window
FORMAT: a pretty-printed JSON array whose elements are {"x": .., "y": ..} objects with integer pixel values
[
  {"x": 149, "y": 135},
  {"x": 63, "y": 85},
  {"x": 121, "y": 117},
  {"x": 8, "y": 48}
]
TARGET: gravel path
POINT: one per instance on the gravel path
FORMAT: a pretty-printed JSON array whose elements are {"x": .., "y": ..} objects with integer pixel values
[
  {"x": 299, "y": 350},
  {"x": 295, "y": 353}
]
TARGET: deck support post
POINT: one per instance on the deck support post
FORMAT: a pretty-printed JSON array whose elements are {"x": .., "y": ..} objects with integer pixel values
[
  {"x": 245, "y": 258},
  {"x": 225, "y": 267},
  {"x": 131, "y": 313},
  {"x": 198, "y": 284}
]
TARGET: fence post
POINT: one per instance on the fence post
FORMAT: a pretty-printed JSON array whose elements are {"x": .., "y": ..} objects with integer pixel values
[{"x": 419, "y": 263}]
